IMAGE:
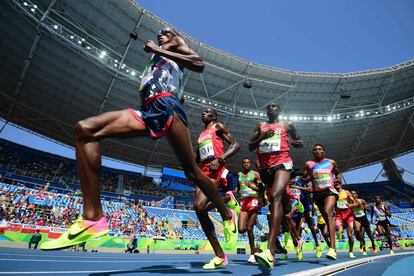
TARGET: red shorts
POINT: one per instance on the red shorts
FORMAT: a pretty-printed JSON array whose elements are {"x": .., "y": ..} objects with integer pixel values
[
  {"x": 250, "y": 204},
  {"x": 345, "y": 216},
  {"x": 220, "y": 174}
]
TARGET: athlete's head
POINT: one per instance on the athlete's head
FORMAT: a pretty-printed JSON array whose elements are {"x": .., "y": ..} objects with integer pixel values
[
  {"x": 338, "y": 185},
  {"x": 318, "y": 151},
  {"x": 247, "y": 164},
  {"x": 165, "y": 34},
  {"x": 377, "y": 199},
  {"x": 209, "y": 115},
  {"x": 354, "y": 194},
  {"x": 272, "y": 111}
]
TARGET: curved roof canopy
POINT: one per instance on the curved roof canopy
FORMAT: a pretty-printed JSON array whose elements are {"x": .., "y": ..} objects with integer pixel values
[{"x": 63, "y": 61}]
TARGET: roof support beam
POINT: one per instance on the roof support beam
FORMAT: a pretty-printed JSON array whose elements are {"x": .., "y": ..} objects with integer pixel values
[
  {"x": 27, "y": 64},
  {"x": 108, "y": 90},
  {"x": 281, "y": 95}
]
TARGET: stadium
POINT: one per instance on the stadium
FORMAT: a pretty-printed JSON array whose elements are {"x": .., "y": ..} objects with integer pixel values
[{"x": 63, "y": 61}]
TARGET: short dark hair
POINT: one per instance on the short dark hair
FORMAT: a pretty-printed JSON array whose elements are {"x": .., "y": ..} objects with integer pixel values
[
  {"x": 247, "y": 159},
  {"x": 322, "y": 146}
]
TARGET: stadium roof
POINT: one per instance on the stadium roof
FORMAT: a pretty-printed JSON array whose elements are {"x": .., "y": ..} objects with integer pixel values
[{"x": 63, "y": 61}]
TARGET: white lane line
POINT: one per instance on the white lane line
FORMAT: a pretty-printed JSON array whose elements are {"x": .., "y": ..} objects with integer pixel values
[
  {"x": 83, "y": 261},
  {"x": 98, "y": 257},
  {"x": 89, "y": 271}
]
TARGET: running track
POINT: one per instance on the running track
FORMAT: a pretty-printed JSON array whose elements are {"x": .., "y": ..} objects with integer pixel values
[{"x": 15, "y": 261}]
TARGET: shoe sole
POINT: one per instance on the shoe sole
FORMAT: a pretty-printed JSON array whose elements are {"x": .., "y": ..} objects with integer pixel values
[
  {"x": 262, "y": 262},
  {"x": 77, "y": 242},
  {"x": 331, "y": 257}
]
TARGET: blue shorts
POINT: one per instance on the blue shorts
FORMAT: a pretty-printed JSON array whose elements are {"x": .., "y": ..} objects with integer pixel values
[
  {"x": 157, "y": 112},
  {"x": 297, "y": 216},
  {"x": 304, "y": 198},
  {"x": 232, "y": 184}
]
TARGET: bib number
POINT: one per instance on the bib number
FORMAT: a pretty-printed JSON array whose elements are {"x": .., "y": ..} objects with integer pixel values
[
  {"x": 323, "y": 182},
  {"x": 255, "y": 203},
  {"x": 271, "y": 144},
  {"x": 206, "y": 150},
  {"x": 341, "y": 204}
]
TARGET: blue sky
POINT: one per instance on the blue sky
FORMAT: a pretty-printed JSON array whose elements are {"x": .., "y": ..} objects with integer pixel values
[{"x": 322, "y": 36}]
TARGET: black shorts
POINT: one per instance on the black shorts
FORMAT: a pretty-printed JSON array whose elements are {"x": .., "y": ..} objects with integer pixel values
[
  {"x": 268, "y": 175},
  {"x": 319, "y": 197},
  {"x": 363, "y": 220},
  {"x": 286, "y": 205},
  {"x": 384, "y": 223}
]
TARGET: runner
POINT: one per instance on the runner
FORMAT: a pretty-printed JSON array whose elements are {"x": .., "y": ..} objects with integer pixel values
[
  {"x": 161, "y": 114},
  {"x": 271, "y": 141},
  {"x": 323, "y": 173},
  {"x": 344, "y": 216},
  {"x": 294, "y": 219},
  {"x": 306, "y": 215},
  {"x": 249, "y": 183},
  {"x": 212, "y": 156},
  {"x": 361, "y": 223},
  {"x": 382, "y": 213}
]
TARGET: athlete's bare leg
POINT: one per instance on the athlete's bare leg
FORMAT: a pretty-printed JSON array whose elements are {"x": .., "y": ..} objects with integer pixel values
[
  {"x": 350, "y": 233},
  {"x": 309, "y": 221},
  {"x": 280, "y": 181},
  {"x": 327, "y": 214},
  {"x": 89, "y": 133}
]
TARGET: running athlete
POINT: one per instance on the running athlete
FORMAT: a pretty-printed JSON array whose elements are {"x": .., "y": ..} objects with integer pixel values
[
  {"x": 306, "y": 215},
  {"x": 345, "y": 216},
  {"x": 382, "y": 213},
  {"x": 361, "y": 223},
  {"x": 322, "y": 227},
  {"x": 161, "y": 114},
  {"x": 323, "y": 173},
  {"x": 271, "y": 141},
  {"x": 211, "y": 157},
  {"x": 294, "y": 219},
  {"x": 249, "y": 183}
]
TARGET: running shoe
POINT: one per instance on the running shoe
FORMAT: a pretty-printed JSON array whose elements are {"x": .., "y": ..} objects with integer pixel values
[
  {"x": 80, "y": 231},
  {"x": 265, "y": 259},
  {"x": 351, "y": 255},
  {"x": 361, "y": 248},
  {"x": 299, "y": 253},
  {"x": 331, "y": 254},
  {"x": 230, "y": 231},
  {"x": 318, "y": 252},
  {"x": 233, "y": 203},
  {"x": 251, "y": 260},
  {"x": 216, "y": 262},
  {"x": 392, "y": 252},
  {"x": 375, "y": 250},
  {"x": 364, "y": 253},
  {"x": 284, "y": 256}
]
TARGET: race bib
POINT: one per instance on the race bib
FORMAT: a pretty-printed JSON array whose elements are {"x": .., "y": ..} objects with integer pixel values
[
  {"x": 271, "y": 144},
  {"x": 323, "y": 182},
  {"x": 342, "y": 204},
  {"x": 255, "y": 202},
  {"x": 359, "y": 213},
  {"x": 206, "y": 150}
]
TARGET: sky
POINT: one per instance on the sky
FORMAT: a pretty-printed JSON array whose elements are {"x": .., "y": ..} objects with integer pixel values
[{"x": 321, "y": 36}]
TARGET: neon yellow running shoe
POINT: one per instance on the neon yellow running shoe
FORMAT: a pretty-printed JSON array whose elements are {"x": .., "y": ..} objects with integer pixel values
[
  {"x": 351, "y": 255},
  {"x": 318, "y": 252},
  {"x": 79, "y": 232},
  {"x": 364, "y": 253},
  {"x": 265, "y": 259},
  {"x": 299, "y": 253},
  {"x": 230, "y": 231},
  {"x": 392, "y": 252},
  {"x": 216, "y": 262},
  {"x": 331, "y": 254},
  {"x": 233, "y": 203},
  {"x": 284, "y": 256}
]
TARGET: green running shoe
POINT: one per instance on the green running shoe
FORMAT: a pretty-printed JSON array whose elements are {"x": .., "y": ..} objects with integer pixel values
[
  {"x": 318, "y": 252},
  {"x": 216, "y": 262},
  {"x": 265, "y": 259},
  {"x": 231, "y": 232}
]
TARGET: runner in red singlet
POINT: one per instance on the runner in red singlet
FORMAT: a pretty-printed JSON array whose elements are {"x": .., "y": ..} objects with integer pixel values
[
  {"x": 271, "y": 141},
  {"x": 211, "y": 157}
]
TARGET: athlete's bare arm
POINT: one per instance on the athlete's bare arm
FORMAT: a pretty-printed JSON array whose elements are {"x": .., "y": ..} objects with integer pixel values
[
  {"x": 234, "y": 147},
  {"x": 351, "y": 200},
  {"x": 177, "y": 50},
  {"x": 257, "y": 137},
  {"x": 297, "y": 141},
  {"x": 336, "y": 172}
]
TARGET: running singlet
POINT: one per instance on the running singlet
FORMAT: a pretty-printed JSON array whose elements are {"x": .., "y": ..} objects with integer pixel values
[
  {"x": 341, "y": 204},
  {"x": 161, "y": 75},
  {"x": 274, "y": 150},
  {"x": 209, "y": 144},
  {"x": 245, "y": 191},
  {"x": 380, "y": 213},
  {"x": 358, "y": 211},
  {"x": 321, "y": 174}
]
